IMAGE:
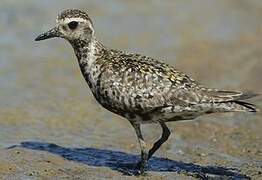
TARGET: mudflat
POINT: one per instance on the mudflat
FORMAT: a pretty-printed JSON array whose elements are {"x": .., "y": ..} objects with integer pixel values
[{"x": 51, "y": 126}]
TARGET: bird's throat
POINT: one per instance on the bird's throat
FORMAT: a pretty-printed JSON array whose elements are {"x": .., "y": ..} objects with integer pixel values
[{"x": 87, "y": 53}]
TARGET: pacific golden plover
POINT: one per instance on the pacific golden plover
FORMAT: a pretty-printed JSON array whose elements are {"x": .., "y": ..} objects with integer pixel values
[{"x": 137, "y": 87}]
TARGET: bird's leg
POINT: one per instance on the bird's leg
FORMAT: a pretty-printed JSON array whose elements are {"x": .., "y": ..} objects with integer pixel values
[
  {"x": 144, "y": 155},
  {"x": 165, "y": 134}
]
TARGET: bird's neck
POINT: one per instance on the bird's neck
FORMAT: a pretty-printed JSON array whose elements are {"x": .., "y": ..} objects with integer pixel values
[{"x": 87, "y": 52}]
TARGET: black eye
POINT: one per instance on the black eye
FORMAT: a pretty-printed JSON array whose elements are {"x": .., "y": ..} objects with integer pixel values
[{"x": 73, "y": 25}]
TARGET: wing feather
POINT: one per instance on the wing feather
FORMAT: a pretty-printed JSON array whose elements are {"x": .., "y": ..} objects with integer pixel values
[{"x": 140, "y": 83}]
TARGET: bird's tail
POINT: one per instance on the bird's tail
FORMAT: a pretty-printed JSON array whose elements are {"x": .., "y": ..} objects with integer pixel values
[
  {"x": 234, "y": 106},
  {"x": 244, "y": 106},
  {"x": 236, "y": 102}
]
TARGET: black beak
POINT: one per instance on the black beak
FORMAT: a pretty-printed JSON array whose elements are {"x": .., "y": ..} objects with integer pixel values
[{"x": 49, "y": 34}]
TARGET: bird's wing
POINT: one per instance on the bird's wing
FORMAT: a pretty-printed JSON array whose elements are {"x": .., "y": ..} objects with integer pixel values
[{"x": 144, "y": 84}]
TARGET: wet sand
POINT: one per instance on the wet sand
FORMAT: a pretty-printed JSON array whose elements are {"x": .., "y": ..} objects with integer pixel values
[{"x": 51, "y": 126}]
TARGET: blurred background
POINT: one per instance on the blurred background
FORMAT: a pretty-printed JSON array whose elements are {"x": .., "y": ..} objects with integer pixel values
[{"x": 43, "y": 96}]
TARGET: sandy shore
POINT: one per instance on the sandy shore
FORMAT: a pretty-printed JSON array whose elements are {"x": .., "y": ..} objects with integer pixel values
[{"x": 52, "y": 128}]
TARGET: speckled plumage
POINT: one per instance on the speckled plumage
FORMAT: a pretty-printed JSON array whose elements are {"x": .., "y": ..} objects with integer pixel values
[
  {"x": 143, "y": 89},
  {"x": 73, "y": 13},
  {"x": 137, "y": 87}
]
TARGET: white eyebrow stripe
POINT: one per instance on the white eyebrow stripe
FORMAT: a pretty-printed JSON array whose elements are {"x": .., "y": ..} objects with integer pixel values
[{"x": 67, "y": 20}]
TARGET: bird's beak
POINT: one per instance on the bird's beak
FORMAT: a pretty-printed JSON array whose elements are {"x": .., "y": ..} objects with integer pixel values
[{"x": 49, "y": 34}]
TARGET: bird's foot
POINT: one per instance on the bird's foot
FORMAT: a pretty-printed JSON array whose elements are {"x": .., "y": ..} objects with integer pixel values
[
  {"x": 134, "y": 169},
  {"x": 141, "y": 168}
]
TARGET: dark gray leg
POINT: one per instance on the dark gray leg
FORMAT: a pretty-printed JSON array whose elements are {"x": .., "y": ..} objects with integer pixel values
[
  {"x": 144, "y": 156},
  {"x": 165, "y": 134}
]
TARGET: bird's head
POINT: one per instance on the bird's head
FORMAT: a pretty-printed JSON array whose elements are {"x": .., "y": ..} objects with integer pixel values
[{"x": 71, "y": 24}]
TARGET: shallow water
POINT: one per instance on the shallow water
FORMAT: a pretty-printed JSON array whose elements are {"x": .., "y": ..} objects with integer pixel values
[{"x": 44, "y": 98}]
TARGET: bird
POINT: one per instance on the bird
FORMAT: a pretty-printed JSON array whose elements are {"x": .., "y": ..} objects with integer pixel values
[{"x": 140, "y": 88}]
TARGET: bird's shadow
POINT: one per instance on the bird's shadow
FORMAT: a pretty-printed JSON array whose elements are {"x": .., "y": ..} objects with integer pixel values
[{"x": 125, "y": 162}]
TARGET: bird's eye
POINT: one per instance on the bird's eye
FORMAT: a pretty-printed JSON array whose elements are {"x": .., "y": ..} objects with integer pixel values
[{"x": 73, "y": 25}]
